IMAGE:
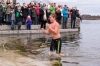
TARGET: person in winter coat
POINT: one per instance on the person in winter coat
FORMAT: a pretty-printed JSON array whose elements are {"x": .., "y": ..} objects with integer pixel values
[
  {"x": 65, "y": 17},
  {"x": 37, "y": 14},
  {"x": 24, "y": 12},
  {"x": 73, "y": 17},
  {"x": 34, "y": 15},
  {"x": 13, "y": 19},
  {"x": 1, "y": 14},
  {"x": 4, "y": 15},
  {"x": 52, "y": 9},
  {"x": 58, "y": 14},
  {"x": 29, "y": 12},
  {"x": 78, "y": 15},
  {"x": 41, "y": 13},
  {"x": 44, "y": 18},
  {"x": 19, "y": 17},
  {"x": 12, "y": 16},
  {"x": 8, "y": 13},
  {"x": 28, "y": 23}
]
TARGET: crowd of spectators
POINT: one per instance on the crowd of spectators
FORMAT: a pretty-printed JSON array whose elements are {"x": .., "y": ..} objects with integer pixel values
[{"x": 36, "y": 14}]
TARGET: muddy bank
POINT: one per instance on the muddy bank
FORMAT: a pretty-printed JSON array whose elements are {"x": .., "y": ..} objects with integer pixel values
[
  {"x": 18, "y": 53},
  {"x": 10, "y": 58}
]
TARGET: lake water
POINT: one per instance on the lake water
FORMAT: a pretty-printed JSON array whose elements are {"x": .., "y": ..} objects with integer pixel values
[
  {"x": 85, "y": 50},
  {"x": 81, "y": 51},
  {"x": 88, "y": 51}
]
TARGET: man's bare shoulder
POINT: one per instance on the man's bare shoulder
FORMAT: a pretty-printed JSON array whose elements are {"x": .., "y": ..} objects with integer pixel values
[{"x": 57, "y": 24}]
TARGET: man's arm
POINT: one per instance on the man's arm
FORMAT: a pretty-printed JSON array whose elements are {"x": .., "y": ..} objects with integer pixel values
[
  {"x": 54, "y": 30},
  {"x": 46, "y": 32}
]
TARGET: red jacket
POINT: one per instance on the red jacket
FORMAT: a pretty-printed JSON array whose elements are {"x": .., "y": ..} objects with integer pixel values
[
  {"x": 37, "y": 10},
  {"x": 71, "y": 13}
]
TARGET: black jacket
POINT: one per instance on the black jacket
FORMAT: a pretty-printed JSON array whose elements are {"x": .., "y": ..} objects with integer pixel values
[
  {"x": 33, "y": 12},
  {"x": 74, "y": 13},
  {"x": 25, "y": 12},
  {"x": 58, "y": 14},
  {"x": 1, "y": 11},
  {"x": 19, "y": 16},
  {"x": 41, "y": 14}
]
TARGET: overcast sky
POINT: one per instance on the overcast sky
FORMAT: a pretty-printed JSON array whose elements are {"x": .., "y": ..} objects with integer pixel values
[{"x": 85, "y": 6}]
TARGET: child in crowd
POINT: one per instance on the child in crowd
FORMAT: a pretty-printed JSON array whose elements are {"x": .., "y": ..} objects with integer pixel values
[
  {"x": 28, "y": 23},
  {"x": 12, "y": 19}
]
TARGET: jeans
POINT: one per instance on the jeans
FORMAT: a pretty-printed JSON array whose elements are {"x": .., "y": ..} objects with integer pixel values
[
  {"x": 64, "y": 24},
  {"x": 0, "y": 20},
  {"x": 12, "y": 24},
  {"x": 19, "y": 25},
  {"x": 37, "y": 19},
  {"x": 73, "y": 20},
  {"x": 43, "y": 24},
  {"x": 34, "y": 20},
  {"x": 24, "y": 20},
  {"x": 8, "y": 17}
]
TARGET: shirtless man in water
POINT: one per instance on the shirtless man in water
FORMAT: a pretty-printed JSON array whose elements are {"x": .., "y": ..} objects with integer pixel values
[{"x": 54, "y": 30}]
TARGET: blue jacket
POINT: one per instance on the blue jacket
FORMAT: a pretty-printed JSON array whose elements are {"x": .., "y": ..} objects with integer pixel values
[
  {"x": 42, "y": 8},
  {"x": 29, "y": 22},
  {"x": 65, "y": 13}
]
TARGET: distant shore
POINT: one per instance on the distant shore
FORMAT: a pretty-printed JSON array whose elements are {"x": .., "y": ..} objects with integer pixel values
[{"x": 90, "y": 17}]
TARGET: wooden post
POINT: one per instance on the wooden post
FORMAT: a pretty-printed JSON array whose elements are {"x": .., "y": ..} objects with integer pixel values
[
  {"x": 8, "y": 1},
  {"x": 14, "y": 1}
]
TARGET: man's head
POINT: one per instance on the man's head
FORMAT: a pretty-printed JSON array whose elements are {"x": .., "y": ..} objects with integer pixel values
[
  {"x": 19, "y": 8},
  {"x": 17, "y": 4},
  {"x": 33, "y": 6},
  {"x": 32, "y": 3},
  {"x": 54, "y": 4},
  {"x": 74, "y": 8},
  {"x": 52, "y": 17},
  {"x": 65, "y": 7},
  {"x": 37, "y": 4},
  {"x": 24, "y": 4},
  {"x": 49, "y": 3},
  {"x": 59, "y": 5},
  {"x": 44, "y": 4}
]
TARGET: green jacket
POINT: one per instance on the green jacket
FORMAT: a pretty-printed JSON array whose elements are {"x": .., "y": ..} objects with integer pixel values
[
  {"x": 4, "y": 9},
  {"x": 52, "y": 10},
  {"x": 17, "y": 14}
]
